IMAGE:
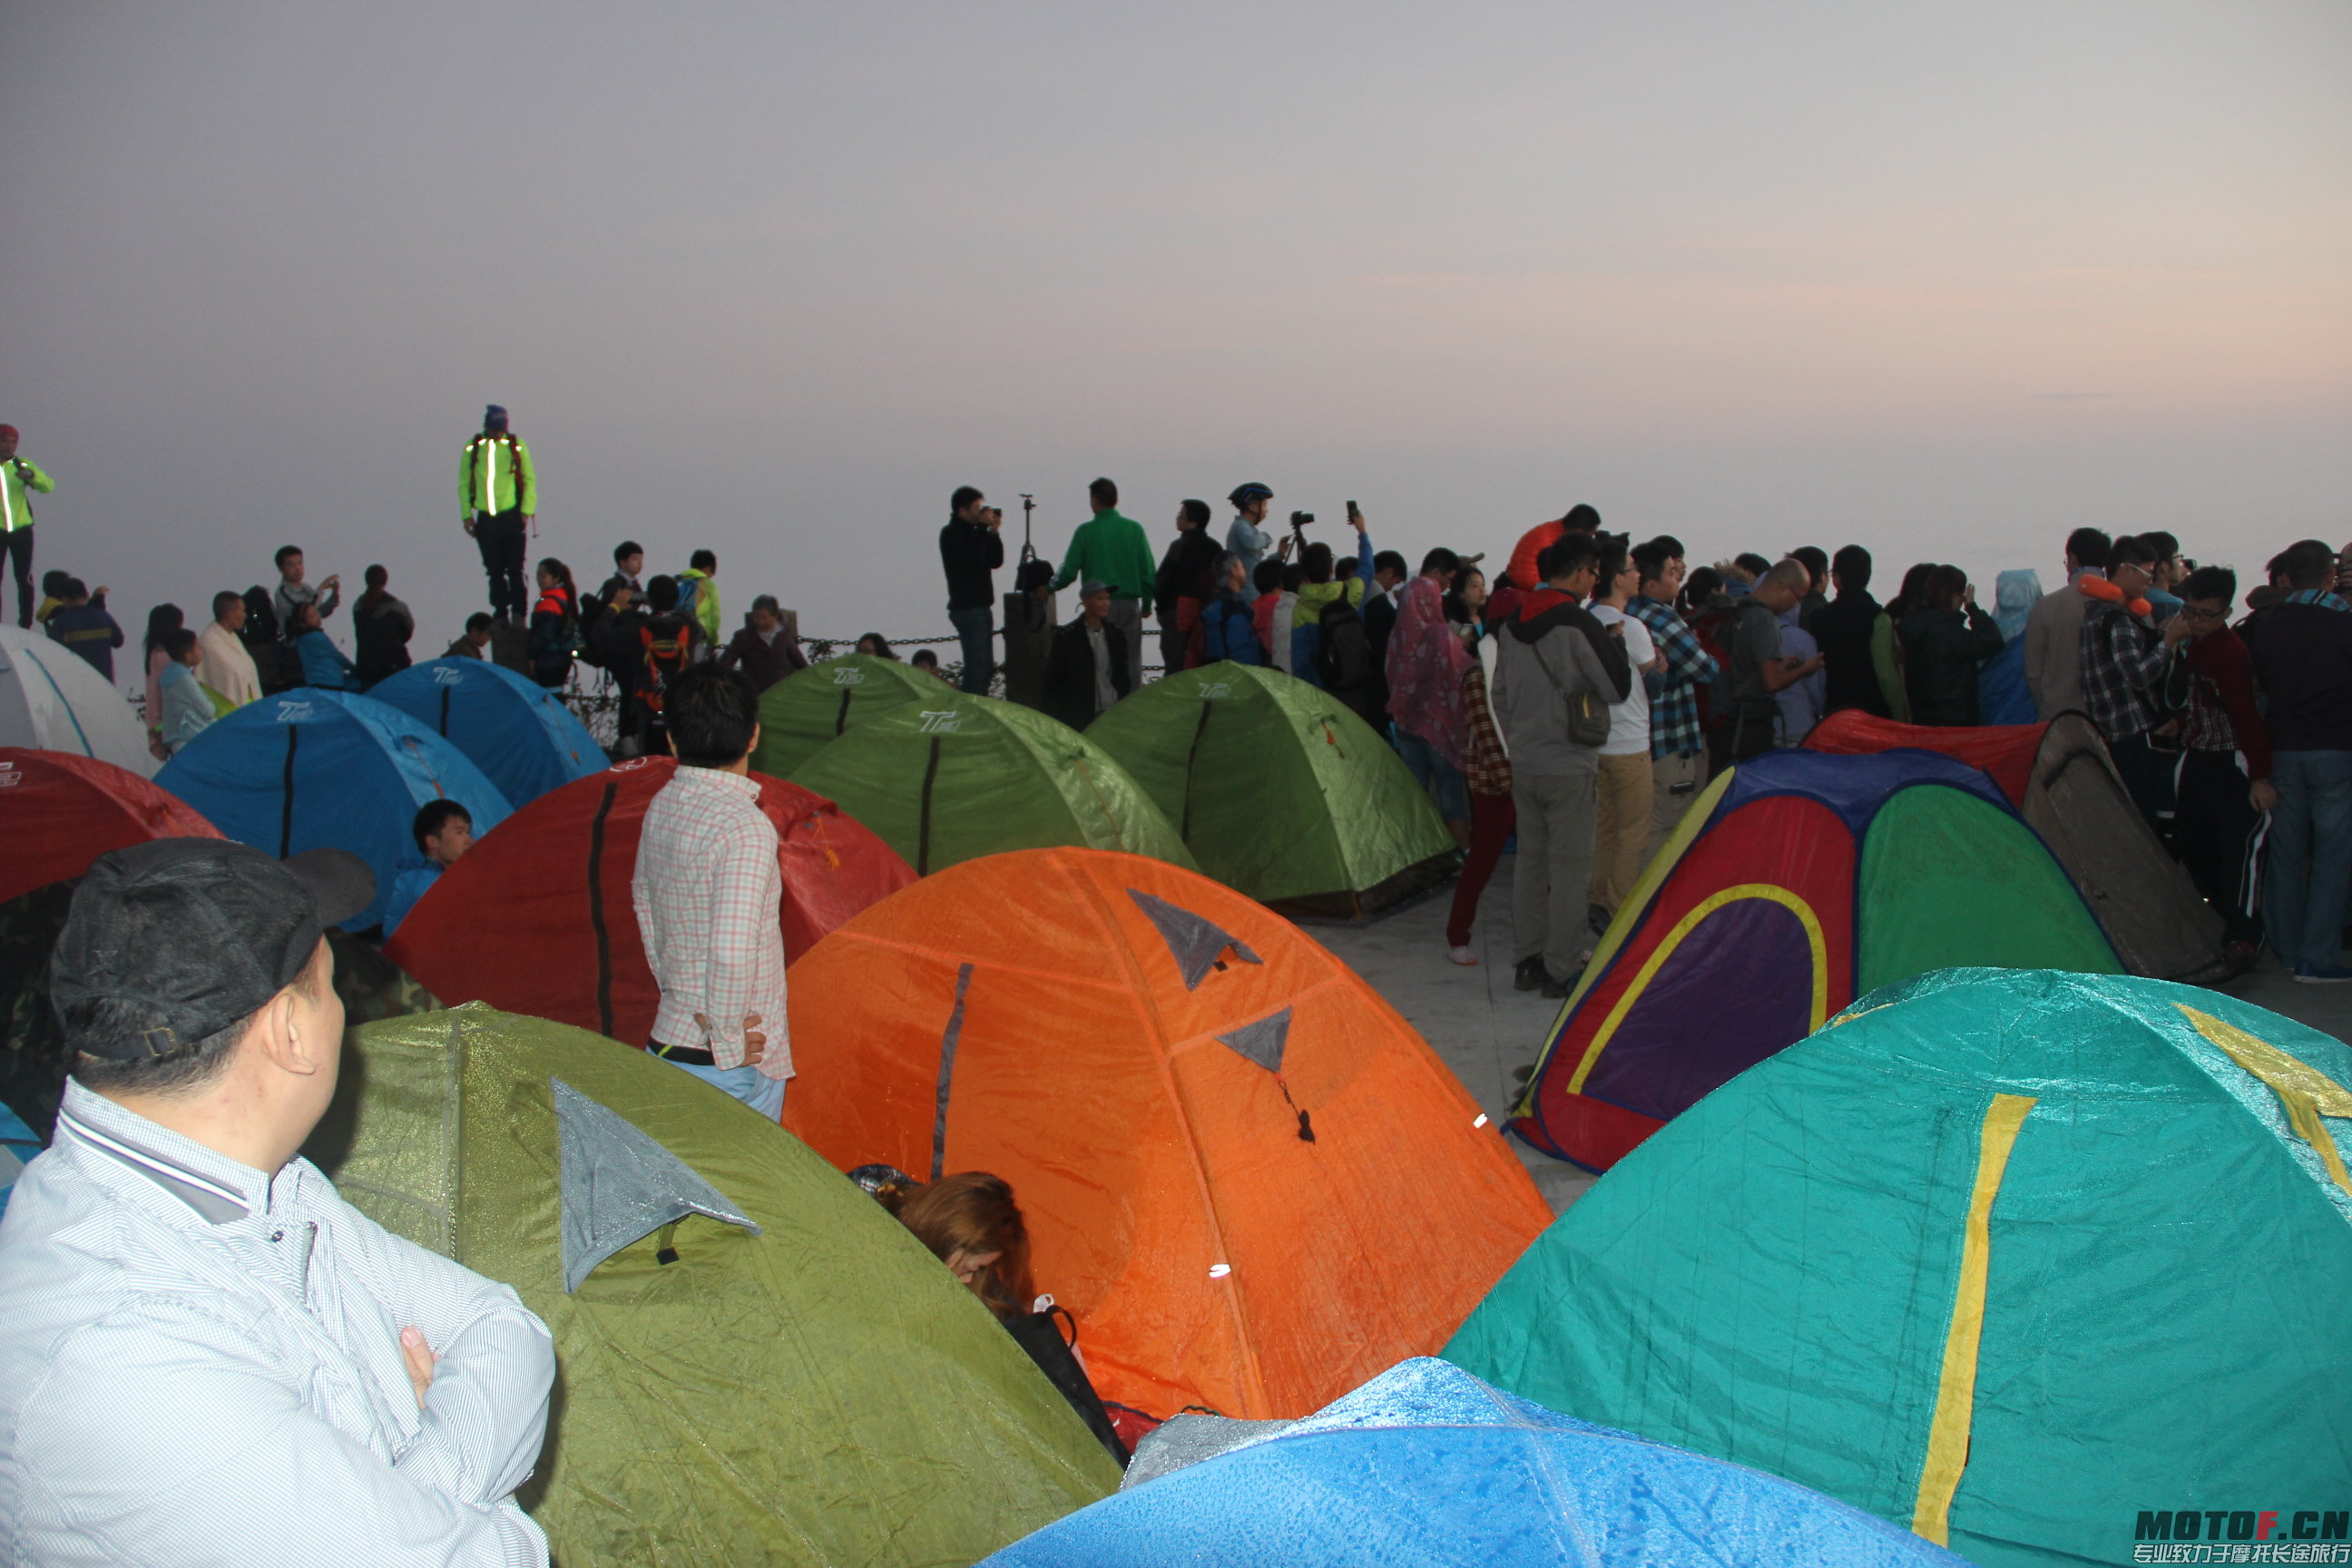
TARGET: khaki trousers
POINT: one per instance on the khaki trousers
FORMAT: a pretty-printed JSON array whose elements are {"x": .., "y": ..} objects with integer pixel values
[
  {"x": 1552, "y": 876},
  {"x": 1622, "y": 840},
  {"x": 1676, "y": 783}
]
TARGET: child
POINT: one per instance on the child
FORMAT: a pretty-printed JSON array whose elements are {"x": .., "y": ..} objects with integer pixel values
[
  {"x": 323, "y": 664},
  {"x": 186, "y": 702}
]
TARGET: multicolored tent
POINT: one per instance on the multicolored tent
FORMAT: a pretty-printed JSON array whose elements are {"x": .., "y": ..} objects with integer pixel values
[
  {"x": 2061, "y": 780},
  {"x": 313, "y": 768},
  {"x": 52, "y": 701},
  {"x": 801, "y": 713},
  {"x": 952, "y": 776},
  {"x": 537, "y": 918},
  {"x": 59, "y": 811},
  {"x": 1249, "y": 1180},
  {"x": 1279, "y": 790},
  {"x": 2040, "y": 1265},
  {"x": 758, "y": 1365},
  {"x": 1796, "y": 882},
  {"x": 1427, "y": 1465},
  {"x": 516, "y": 731}
]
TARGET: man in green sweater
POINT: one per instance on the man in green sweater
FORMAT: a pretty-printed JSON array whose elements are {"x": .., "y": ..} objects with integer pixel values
[
  {"x": 497, "y": 494},
  {"x": 1114, "y": 551}
]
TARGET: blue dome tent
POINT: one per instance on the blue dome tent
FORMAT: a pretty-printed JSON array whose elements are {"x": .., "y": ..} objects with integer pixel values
[
  {"x": 1427, "y": 1465},
  {"x": 311, "y": 769},
  {"x": 516, "y": 731}
]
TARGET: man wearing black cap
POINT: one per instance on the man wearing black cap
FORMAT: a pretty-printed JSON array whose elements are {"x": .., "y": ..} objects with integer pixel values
[
  {"x": 206, "y": 1355},
  {"x": 498, "y": 497}
]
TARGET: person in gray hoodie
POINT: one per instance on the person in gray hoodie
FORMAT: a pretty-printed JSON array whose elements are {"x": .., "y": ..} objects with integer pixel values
[{"x": 1551, "y": 650}]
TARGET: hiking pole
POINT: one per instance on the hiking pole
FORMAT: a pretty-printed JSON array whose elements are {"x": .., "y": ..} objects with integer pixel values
[{"x": 1028, "y": 550}]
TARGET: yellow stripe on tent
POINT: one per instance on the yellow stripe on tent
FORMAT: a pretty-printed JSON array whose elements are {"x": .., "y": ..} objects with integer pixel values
[
  {"x": 2308, "y": 1093},
  {"x": 1674, "y": 939},
  {"x": 1956, "y": 1389}
]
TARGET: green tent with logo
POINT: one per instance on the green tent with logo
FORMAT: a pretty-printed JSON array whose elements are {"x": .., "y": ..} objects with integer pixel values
[
  {"x": 951, "y": 777},
  {"x": 799, "y": 715},
  {"x": 2038, "y": 1264},
  {"x": 756, "y": 1363},
  {"x": 1280, "y": 792}
]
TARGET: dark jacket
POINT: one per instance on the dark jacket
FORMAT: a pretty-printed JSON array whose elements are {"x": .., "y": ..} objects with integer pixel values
[
  {"x": 463, "y": 647},
  {"x": 553, "y": 636},
  {"x": 1227, "y": 631},
  {"x": 1070, "y": 672},
  {"x": 969, "y": 552},
  {"x": 1843, "y": 628},
  {"x": 763, "y": 662},
  {"x": 1187, "y": 571},
  {"x": 381, "y": 629},
  {"x": 2302, "y": 662},
  {"x": 88, "y": 631},
  {"x": 1941, "y": 652}
]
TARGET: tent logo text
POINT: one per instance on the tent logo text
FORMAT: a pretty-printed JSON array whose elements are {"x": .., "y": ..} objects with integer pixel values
[
  {"x": 852, "y": 677},
  {"x": 945, "y": 722},
  {"x": 2243, "y": 1536},
  {"x": 1212, "y": 689},
  {"x": 444, "y": 674},
  {"x": 10, "y": 775},
  {"x": 290, "y": 711}
]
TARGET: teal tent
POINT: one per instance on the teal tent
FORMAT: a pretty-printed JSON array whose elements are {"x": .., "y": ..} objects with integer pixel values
[{"x": 2038, "y": 1264}]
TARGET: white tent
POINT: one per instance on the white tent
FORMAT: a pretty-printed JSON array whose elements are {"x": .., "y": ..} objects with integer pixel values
[{"x": 53, "y": 700}]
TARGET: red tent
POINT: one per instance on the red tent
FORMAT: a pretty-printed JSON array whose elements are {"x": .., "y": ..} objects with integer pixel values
[
  {"x": 61, "y": 811},
  {"x": 2004, "y": 751},
  {"x": 537, "y": 919}
]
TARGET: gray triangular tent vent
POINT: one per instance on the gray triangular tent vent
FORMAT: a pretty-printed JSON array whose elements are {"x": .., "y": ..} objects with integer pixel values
[
  {"x": 1262, "y": 1042},
  {"x": 1192, "y": 940},
  {"x": 619, "y": 1184}
]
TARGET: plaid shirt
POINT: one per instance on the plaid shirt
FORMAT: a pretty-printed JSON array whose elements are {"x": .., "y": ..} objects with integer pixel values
[
  {"x": 1486, "y": 766},
  {"x": 2123, "y": 667},
  {"x": 1674, "y": 690},
  {"x": 707, "y": 894}
]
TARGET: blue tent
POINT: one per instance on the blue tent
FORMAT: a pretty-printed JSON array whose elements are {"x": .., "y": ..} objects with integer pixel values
[
  {"x": 311, "y": 769},
  {"x": 1426, "y": 1465},
  {"x": 516, "y": 731},
  {"x": 2002, "y": 695}
]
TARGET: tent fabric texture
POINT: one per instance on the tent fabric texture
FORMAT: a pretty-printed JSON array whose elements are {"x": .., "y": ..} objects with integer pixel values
[
  {"x": 2061, "y": 780},
  {"x": 537, "y": 918},
  {"x": 1245, "y": 1176},
  {"x": 1279, "y": 790},
  {"x": 952, "y": 776},
  {"x": 52, "y": 701},
  {"x": 59, "y": 811},
  {"x": 1429, "y": 1467},
  {"x": 758, "y": 1363},
  {"x": 2026, "y": 1261},
  {"x": 516, "y": 731},
  {"x": 315, "y": 769},
  {"x": 805, "y": 712},
  {"x": 1796, "y": 882}
]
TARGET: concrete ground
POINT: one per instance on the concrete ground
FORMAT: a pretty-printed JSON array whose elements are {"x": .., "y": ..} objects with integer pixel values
[{"x": 1483, "y": 1028}]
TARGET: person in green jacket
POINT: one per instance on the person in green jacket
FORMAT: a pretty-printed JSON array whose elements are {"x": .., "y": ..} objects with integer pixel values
[
  {"x": 497, "y": 494},
  {"x": 1114, "y": 551},
  {"x": 16, "y": 477},
  {"x": 697, "y": 595}
]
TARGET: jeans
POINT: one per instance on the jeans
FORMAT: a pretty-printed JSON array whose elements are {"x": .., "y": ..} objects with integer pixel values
[
  {"x": 1551, "y": 884},
  {"x": 1430, "y": 769},
  {"x": 18, "y": 545},
  {"x": 977, "y": 629},
  {"x": 749, "y": 1085},
  {"x": 2311, "y": 856},
  {"x": 499, "y": 536},
  {"x": 1491, "y": 821},
  {"x": 2146, "y": 775}
]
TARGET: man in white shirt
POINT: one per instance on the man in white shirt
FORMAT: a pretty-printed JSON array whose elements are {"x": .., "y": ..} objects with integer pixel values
[
  {"x": 708, "y": 895},
  {"x": 223, "y": 662},
  {"x": 1627, "y": 783},
  {"x": 206, "y": 1356}
]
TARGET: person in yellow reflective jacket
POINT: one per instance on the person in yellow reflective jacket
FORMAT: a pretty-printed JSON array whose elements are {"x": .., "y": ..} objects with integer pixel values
[
  {"x": 16, "y": 478},
  {"x": 497, "y": 494}
]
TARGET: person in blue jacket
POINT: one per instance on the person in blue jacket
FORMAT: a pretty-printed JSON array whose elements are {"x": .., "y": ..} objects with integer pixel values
[
  {"x": 1228, "y": 631},
  {"x": 323, "y": 664},
  {"x": 444, "y": 831}
]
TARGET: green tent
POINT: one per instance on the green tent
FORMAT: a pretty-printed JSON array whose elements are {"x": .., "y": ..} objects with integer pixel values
[
  {"x": 803, "y": 1383},
  {"x": 2037, "y": 1264},
  {"x": 953, "y": 777},
  {"x": 800, "y": 713},
  {"x": 1280, "y": 792}
]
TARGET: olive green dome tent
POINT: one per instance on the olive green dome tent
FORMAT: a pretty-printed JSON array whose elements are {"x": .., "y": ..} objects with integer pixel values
[
  {"x": 758, "y": 1363},
  {"x": 2040, "y": 1265},
  {"x": 1279, "y": 790},
  {"x": 800, "y": 713},
  {"x": 952, "y": 777}
]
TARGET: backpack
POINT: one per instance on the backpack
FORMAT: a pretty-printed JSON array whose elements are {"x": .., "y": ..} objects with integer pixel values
[
  {"x": 668, "y": 644},
  {"x": 1344, "y": 660}
]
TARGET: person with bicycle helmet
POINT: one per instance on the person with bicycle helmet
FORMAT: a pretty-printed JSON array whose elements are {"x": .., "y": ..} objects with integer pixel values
[{"x": 1247, "y": 537}]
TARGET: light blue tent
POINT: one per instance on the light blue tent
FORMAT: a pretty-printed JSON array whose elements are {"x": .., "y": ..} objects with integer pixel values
[
  {"x": 1425, "y": 1465},
  {"x": 313, "y": 769},
  {"x": 516, "y": 731}
]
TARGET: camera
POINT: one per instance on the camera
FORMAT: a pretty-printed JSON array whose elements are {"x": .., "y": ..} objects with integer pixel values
[
  {"x": 994, "y": 513},
  {"x": 1301, "y": 519}
]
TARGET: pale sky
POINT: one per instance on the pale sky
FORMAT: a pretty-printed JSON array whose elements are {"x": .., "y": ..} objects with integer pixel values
[{"x": 1944, "y": 279}]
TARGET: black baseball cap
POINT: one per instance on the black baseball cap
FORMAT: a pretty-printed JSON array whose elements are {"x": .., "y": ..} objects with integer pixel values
[{"x": 198, "y": 931}]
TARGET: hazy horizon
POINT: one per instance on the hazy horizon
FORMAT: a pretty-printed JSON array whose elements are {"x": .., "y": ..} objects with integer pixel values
[{"x": 1944, "y": 281}]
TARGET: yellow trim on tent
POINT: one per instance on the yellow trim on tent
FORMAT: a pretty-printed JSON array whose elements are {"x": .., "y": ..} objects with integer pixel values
[
  {"x": 2308, "y": 1093},
  {"x": 1956, "y": 1389},
  {"x": 1674, "y": 939}
]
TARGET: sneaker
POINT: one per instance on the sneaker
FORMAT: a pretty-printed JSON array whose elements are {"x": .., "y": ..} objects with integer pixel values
[
  {"x": 1462, "y": 956},
  {"x": 2321, "y": 975},
  {"x": 1528, "y": 974}
]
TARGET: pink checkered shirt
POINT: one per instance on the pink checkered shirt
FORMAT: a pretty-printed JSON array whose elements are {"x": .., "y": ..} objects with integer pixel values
[{"x": 707, "y": 891}]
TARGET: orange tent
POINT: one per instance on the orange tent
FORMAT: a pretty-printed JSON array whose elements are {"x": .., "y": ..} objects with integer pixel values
[{"x": 1250, "y": 1180}]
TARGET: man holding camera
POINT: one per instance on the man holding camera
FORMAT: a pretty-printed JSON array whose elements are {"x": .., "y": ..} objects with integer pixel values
[
  {"x": 971, "y": 546},
  {"x": 1114, "y": 551}
]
